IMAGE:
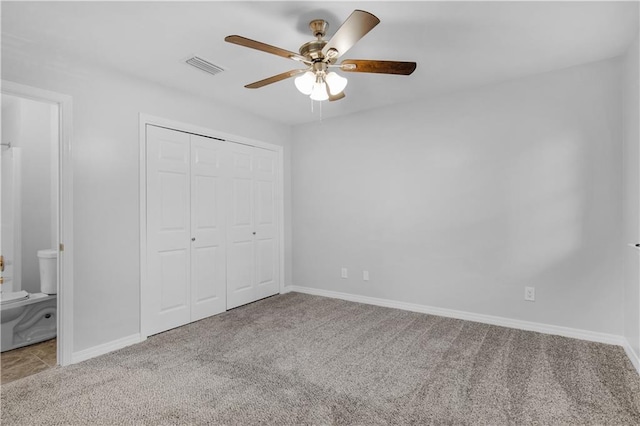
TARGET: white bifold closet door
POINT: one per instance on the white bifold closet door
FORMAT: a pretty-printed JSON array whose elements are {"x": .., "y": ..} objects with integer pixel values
[
  {"x": 252, "y": 243},
  {"x": 208, "y": 228},
  {"x": 212, "y": 227},
  {"x": 186, "y": 254}
]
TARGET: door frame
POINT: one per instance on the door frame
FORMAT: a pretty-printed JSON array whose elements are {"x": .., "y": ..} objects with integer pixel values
[
  {"x": 147, "y": 119},
  {"x": 65, "y": 210}
]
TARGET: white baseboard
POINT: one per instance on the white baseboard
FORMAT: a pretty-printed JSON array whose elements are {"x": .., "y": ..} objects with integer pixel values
[
  {"x": 633, "y": 356},
  {"x": 574, "y": 333},
  {"x": 105, "y": 348}
]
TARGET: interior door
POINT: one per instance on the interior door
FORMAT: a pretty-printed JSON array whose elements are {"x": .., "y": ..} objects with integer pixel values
[
  {"x": 208, "y": 251},
  {"x": 168, "y": 228},
  {"x": 266, "y": 226},
  {"x": 240, "y": 228},
  {"x": 252, "y": 266}
]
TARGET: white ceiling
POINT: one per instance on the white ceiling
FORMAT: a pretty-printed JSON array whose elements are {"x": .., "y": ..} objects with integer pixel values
[{"x": 456, "y": 44}]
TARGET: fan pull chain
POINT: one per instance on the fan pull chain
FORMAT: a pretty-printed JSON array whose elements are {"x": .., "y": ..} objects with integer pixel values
[{"x": 312, "y": 104}]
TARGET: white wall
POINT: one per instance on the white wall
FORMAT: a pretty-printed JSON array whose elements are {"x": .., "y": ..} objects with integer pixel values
[
  {"x": 631, "y": 162},
  {"x": 461, "y": 201},
  {"x": 105, "y": 142},
  {"x": 11, "y": 229},
  {"x": 36, "y": 143},
  {"x": 29, "y": 127}
]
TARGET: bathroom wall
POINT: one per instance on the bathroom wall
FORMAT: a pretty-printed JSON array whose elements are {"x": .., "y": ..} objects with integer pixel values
[
  {"x": 31, "y": 126},
  {"x": 10, "y": 246}
]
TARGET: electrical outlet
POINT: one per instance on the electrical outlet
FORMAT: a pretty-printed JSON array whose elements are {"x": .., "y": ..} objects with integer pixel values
[
  {"x": 344, "y": 273},
  {"x": 530, "y": 294},
  {"x": 365, "y": 275}
]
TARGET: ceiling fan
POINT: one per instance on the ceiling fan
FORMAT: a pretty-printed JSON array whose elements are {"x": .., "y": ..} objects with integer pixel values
[{"x": 321, "y": 55}]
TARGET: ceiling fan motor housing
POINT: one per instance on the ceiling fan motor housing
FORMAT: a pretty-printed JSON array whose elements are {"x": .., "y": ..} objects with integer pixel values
[{"x": 313, "y": 50}]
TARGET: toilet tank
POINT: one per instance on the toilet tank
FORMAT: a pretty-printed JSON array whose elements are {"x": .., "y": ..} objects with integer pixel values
[{"x": 48, "y": 260}]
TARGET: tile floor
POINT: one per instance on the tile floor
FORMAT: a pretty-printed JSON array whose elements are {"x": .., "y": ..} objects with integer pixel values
[{"x": 28, "y": 360}]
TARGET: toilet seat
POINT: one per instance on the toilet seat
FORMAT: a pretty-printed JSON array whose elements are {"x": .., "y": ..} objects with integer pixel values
[{"x": 6, "y": 298}]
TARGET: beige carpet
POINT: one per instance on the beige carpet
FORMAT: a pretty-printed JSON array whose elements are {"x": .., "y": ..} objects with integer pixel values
[{"x": 299, "y": 359}]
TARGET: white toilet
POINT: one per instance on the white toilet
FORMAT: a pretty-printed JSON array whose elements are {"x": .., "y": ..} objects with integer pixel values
[
  {"x": 28, "y": 318},
  {"x": 48, "y": 260}
]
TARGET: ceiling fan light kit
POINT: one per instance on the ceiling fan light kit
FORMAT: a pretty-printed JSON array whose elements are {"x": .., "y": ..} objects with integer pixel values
[
  {"x": 319, "y": 55},
  {"x": 305, "y": 82},
  {"x": 319, "y": 91},
  {"x": 336, "y": 83},
  {"x": 320, "y": 85}
]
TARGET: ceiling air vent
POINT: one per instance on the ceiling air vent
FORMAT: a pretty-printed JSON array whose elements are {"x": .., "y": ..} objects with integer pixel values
[{"x": 204, "y": 65}]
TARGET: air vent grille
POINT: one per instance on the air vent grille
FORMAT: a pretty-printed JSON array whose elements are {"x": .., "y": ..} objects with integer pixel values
[{"x": 204, "y": 65}]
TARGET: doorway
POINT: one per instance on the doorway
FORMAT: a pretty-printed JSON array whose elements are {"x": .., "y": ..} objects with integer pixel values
[{"x": 38, "y": 271}]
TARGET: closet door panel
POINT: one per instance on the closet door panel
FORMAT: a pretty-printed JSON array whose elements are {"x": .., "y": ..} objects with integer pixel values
[
  {"x": 171, "y": 284},
  {"x": 208, "y": 260},
  {"x": 168, "y": 228},
  {"x": 240, "y": 228},
  {"x": 265, "y": 265},
  {"x": 265, "y": 212}
]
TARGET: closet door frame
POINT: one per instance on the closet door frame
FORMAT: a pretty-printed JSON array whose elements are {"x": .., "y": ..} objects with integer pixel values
[{"x": 146, "y": 119}]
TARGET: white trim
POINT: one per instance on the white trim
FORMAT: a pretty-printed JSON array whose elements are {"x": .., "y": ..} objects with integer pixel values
[
  {"x": 574, "y": 333},
  {"x": 146, "y": 119},
  {"x": 105, "y": 348},
  {"x": 142, "y": 181},
  {"x": 281, "y": 209},
  {"x": 635, "y": 360},
  {"x": 65, "y": 217},
  {"x": 203, "y": 131}
]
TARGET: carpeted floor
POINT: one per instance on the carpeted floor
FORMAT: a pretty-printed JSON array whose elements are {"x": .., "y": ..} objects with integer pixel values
[{"x": 300, "y": 359}]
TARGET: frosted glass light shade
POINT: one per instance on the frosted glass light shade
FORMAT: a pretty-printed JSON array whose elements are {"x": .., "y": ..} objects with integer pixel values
[
  {"x": 305, "y": 82},
  {"x": 319, "y": 92},
  {"x": 336, "y": 83}
]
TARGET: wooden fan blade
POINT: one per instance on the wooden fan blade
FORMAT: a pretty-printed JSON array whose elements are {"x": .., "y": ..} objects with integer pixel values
[
  {"x": 337, "y": 97},
  {"x": 333, "y": 97},
  {"x": 246, "y": 42},
  {"x": 380, "y": 67},
  {"x": 357, "y": 25},
  {"x": 275, "y": 79}
]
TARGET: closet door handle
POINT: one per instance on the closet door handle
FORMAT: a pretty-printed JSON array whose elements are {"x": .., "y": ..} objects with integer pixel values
[
  {"x": 193, "y": 238},
  {"x": 254, "y": 232}
]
